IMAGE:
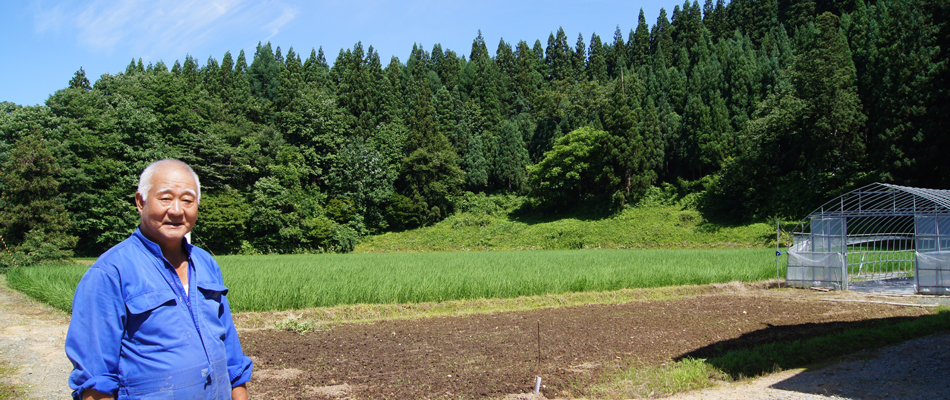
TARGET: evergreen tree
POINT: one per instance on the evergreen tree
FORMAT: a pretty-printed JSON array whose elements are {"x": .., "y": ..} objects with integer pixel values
[
  {"x": 652, "y": 137},
  {"x": 241, "y": 79},
  {"x": 687, "y": 25},
  {"x": 430, "y": 173},
  {"x": 263, "y": 75},
  {"x": 825, "y": 77},
  {"x": 527, "y": 81},
  {"x": 487, "y": 83},
  {"x": 714, "y": 19},
  {"x": 511, "y": 159},
  {"x": 579, "y": 60},
  {"x": 639, "y": 47},
  {"x": 211, "y": 76},
  {"x": 278, "y": 56},
  {"x": 597, "y": 64},
  {"x": 448, "y": 67},
  {"x": 291, "y": 78},
  {"x": 358, "y": 88},
  {"x": 33, "y": 219},
  {"x": 315, "y": 69},
  {"x": 661, "y": 37},
  {"x": 806, "y": 136},
  {"x": 226, "y": 78},
  {"x": 189, "y": 71},
  {"x": 558, "y": 57},
  {"x": 79, "y": 80},
  {"x": 799, "y": 13},
  {"x": 507, "y": 70},
  {"x": 130, "y": 69},
  {"x": 739, "y": 74},
  {"x": 617, "y": 56},
  {"x": 629, "y": 172},
  {"x": 906, "y": 91}
]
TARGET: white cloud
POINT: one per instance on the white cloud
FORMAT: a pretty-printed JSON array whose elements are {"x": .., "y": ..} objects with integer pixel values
[
  {"x": 145, "y": 27},
  {"x": 288, "y": 14}
]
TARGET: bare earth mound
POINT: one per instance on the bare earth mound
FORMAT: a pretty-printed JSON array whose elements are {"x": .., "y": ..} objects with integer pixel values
[{"x": 496, "y": 355}]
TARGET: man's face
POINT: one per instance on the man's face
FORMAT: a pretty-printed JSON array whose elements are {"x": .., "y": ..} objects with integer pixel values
[{"x": 171, "y": 207}]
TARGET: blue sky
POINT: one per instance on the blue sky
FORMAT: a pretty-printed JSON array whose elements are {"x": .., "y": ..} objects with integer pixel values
[{"x": 47, "y": 41}]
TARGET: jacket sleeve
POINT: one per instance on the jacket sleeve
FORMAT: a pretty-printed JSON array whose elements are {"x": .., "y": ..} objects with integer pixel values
[
  {"x": 94, "y": 338},
  {"x": 240, "y": 366}
]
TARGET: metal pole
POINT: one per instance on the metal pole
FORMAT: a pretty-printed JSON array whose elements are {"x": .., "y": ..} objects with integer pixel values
[{"x": 778, "y": 252}]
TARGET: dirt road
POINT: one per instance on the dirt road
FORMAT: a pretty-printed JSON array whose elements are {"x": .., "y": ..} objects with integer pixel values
[{"x": 32, "y": 338}]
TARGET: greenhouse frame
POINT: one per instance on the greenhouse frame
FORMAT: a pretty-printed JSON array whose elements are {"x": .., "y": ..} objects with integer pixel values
[{"x": 877, "y": 233}]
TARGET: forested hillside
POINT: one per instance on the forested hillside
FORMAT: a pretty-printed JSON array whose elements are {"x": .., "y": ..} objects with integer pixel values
[{"x": 764, "y": 107}]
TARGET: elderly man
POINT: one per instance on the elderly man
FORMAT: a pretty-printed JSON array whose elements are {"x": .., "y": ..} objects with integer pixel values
[{"x": 150, "y": 317}]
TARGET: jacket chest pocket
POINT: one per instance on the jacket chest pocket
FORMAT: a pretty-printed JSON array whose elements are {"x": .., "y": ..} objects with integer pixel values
[
  {"x": 156, "y": 321},
  {"x": 211, "y": 308}
]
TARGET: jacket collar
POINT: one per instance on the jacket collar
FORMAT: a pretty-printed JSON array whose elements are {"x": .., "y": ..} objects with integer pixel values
[{"x": 154, "y": 248}]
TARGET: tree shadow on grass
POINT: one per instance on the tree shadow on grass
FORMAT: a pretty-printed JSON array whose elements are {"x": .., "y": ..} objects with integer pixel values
[
  {"x": 796, "y": 346},
  {"x": 531, "y": 215}
]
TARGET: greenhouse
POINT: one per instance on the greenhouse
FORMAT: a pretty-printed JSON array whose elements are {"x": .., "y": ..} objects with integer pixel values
[{"x": 884, "y": 234}]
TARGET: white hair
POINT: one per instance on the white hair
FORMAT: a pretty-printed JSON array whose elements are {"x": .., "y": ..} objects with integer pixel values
[{"x": 145, "y": 181}]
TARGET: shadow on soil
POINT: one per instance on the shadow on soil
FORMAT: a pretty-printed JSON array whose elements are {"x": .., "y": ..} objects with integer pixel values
[{"x": 796, "y": 346}]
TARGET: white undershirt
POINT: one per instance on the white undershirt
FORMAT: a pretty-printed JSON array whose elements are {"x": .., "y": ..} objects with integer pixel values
[{"x": 186, "y": 290}]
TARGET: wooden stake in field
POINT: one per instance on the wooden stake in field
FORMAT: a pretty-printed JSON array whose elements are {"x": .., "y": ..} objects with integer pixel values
[{"x": 537, "y": 381}]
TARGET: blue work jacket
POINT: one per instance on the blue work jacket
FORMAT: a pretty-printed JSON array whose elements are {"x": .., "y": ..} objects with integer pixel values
[{"x": 136, "y": 334}]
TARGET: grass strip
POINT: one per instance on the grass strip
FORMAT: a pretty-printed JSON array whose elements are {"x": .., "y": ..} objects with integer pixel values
[
  {"x": 325, "y": 317},
  {"x": 53, "y": 283},
  {"x": 771, "y": 357},
  {"x": 641, "y": 381}
]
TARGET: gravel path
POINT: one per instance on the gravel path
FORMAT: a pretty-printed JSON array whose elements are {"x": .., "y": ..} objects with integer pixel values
[{"x": 32, "y": 337}]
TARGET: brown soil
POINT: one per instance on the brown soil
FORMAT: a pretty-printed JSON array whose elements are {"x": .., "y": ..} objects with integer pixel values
[{"x": 491, "y": 356}]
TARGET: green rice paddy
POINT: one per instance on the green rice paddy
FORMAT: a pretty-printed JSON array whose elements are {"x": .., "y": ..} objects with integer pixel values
[{"x": 286, "y": 282}]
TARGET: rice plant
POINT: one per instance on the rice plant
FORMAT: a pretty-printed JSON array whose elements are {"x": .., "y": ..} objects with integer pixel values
[{"x": 287, "y": 282}]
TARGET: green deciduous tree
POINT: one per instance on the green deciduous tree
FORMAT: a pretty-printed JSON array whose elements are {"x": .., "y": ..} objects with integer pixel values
[{"x": 571, "y": 173}]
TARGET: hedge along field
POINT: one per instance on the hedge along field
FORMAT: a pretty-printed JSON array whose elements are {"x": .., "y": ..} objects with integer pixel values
[{"x": 285, "y": 282}]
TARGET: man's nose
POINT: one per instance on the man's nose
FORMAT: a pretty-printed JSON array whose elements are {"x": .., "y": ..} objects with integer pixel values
[{"x": 176, "y": 208}]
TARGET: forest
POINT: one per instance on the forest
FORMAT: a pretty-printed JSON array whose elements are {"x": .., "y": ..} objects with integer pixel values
[{"x": 761, "y": 108}]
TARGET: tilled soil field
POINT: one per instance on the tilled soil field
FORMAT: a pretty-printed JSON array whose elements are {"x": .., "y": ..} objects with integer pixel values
[{"x": 491, "y": 356}]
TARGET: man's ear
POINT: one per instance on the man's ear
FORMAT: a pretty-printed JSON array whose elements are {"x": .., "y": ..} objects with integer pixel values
[{"x": 139, "y": 201}]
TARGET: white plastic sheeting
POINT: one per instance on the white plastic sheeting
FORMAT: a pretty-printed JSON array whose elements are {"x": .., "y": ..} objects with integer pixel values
[
  {"x": 933, "y": 272},
  {"x": 816, "y": 269},
  {"x": 829, "y": 235},
  {"x": 801, "y": 243}
]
